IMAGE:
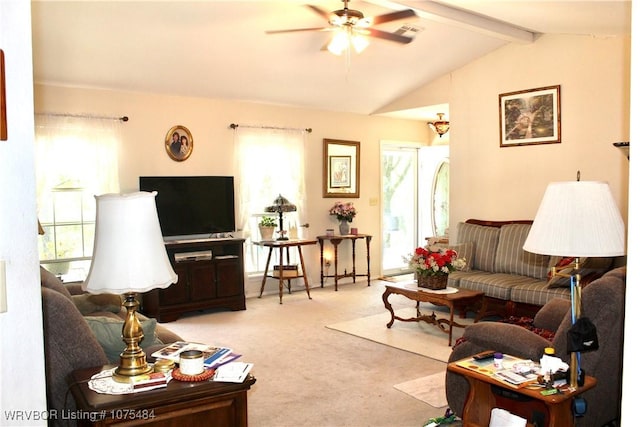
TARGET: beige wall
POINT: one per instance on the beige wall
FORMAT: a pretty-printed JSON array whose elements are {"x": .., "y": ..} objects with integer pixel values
[
  {"x": 22, "y": 386},
  {"x": 491, "y": 182},
  {"x": 487, "y": 181},
  {"x": 151, "y": 116}
]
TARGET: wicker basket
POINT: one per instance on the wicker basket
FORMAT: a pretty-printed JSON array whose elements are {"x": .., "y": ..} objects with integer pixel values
[{"x": 433, "y": 282}]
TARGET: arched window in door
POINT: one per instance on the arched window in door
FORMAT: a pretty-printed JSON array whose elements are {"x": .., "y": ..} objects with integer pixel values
[{"x": 440, "y": 199}]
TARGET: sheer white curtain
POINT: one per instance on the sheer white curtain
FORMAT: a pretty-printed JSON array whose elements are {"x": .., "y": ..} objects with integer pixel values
[
  {"x": 76, "y": 158},
  {"x": 269, "y": 162},
  {"x": 78, "y": 150}
]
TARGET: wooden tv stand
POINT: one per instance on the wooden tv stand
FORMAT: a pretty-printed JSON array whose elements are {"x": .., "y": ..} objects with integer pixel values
[{"x": 210, "y": 275}]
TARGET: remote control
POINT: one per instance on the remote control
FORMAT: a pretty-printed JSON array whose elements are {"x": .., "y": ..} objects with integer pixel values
[{"x": 484, "y": 355}]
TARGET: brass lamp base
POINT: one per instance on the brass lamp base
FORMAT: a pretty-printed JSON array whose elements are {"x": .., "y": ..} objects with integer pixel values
[
  {"x": 576, "y": 307},
  {"x": 133, "y": 361}
]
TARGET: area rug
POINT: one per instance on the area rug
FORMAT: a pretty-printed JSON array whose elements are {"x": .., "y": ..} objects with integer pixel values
[
  {"x": 429, "y": 389},
  {"x": 420, "y": 338}
]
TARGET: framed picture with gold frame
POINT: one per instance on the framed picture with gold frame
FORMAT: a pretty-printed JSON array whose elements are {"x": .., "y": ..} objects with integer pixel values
[
  {"x": 341, "y": 168},
  {"x": 529, "y": 117},
  {"x": 178, "y": 143}
]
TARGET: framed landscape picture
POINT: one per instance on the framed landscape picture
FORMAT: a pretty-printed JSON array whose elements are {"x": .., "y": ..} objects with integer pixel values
[{"x": 529, "y": 117}]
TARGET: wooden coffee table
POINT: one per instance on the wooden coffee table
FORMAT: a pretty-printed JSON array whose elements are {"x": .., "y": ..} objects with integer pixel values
[{"x": 448, "y": 298}]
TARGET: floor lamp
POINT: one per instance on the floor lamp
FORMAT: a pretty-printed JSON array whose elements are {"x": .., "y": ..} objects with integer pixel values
[
  {"x": 577, "y": 219},
  {"x": 129, "y": 257}
]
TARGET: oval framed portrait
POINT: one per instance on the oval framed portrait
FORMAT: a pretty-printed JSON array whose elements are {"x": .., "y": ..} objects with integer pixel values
[{"x": 178, "y": 143}]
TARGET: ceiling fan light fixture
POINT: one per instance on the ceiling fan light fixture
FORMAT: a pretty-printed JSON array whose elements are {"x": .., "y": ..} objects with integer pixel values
[
  {"x": 339, "y": 42},
  {"x": 440, "y": 126},
  {"x": 359, "y": 42}
]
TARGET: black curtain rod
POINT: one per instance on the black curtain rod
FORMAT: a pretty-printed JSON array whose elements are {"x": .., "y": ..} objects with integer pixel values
[
  {"x": 85, "y": 116},
  {"x": 235, "y": 126}
]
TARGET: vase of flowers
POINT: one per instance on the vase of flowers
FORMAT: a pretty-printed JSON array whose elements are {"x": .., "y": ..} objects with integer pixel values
[
  {"x": 432, "y": 266},
  {"x": 344, "y": 212}
]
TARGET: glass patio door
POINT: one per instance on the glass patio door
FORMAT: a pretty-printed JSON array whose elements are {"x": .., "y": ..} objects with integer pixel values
[
  {"x": 415, "y": 200},
  {"x": 399, "y": 207}
]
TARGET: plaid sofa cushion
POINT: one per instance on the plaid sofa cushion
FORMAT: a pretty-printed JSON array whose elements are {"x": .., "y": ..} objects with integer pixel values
[
  {"x": 537, "y": 293},
  {"x": 512, "y": 259},
  {"x": 485, "y": 242}
]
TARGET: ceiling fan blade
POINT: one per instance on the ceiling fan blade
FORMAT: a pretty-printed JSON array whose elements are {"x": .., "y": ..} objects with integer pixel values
[
  {"x": 325, "y": 14},
  {"x": 296, "y": 30},
  {"x": 388, "y": 36},
  {"x": 393, "y": 16}
]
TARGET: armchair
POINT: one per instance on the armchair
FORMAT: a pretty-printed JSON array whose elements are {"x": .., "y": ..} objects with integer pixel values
[{"x": 603, "y": 303}]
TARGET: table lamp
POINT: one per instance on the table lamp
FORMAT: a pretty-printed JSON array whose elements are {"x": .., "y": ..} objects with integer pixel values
[
  {"x": 280, "y": 205},
  {"x": 129, "y": 257},
  {"x": 577, "y": 219}
]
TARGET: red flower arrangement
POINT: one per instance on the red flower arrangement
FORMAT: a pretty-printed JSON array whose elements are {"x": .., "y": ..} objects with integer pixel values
[{"x": 434, "y": 261}]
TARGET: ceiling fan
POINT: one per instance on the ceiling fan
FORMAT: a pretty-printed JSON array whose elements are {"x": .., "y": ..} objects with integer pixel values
[{"x": 351, "y": 27}]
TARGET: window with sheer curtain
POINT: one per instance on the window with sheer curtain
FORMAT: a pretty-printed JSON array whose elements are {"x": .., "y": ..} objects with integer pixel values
[
  {"x": 76, "y": 159},
  {"x": 269, "y": 162}
]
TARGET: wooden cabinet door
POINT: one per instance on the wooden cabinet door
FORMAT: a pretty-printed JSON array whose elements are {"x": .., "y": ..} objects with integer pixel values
[
  {"x": 202, "y": 281},
  {"x": 229, "y": 277},
  {"x": 177, "y": 293}
]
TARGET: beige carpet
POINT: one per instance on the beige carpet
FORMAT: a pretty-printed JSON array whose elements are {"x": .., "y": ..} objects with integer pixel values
[
  {"x": 429, "y": 389},
  {"x": 420, "y": 338},
  {"x": 310, "y": 375}
]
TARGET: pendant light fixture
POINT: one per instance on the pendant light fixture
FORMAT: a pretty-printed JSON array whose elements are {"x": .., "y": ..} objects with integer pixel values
[{"x": 440, "y": 126}]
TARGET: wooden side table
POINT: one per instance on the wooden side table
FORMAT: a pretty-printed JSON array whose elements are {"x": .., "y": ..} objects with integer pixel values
[
  {"x": 281, "y": 245},
  {"x": 481, "y": 399},
  {"x": 180, "y": 403},
  {"x": 335, "y": 241}
]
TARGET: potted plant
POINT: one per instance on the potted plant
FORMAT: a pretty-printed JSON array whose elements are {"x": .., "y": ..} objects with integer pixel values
[
  {"x": 345, "y": 212},
  {"x": 267, "y": 227}
]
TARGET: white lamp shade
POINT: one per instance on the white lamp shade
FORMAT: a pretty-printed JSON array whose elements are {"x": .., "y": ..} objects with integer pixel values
[
  {"x": 577, "y": 219},
  {"x": 129, "y": 254}
]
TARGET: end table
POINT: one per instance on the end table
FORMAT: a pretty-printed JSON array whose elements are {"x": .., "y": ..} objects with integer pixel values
[
  {"x": 481, "y": 399},
  {"x": 180, "y": 403}
]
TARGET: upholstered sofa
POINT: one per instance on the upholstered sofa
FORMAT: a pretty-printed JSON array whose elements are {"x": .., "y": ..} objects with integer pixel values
[
  {"x": 514, "y": 281},
  {"x": 82, "y": 331},
  {"x": 603, "y": 302}
]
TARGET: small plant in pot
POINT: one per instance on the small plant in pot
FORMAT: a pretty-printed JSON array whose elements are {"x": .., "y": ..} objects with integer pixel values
[{"x": 267, "y": 227}]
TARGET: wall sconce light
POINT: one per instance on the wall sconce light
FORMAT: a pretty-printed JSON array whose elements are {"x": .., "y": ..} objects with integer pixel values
[{"x": 440, "y": 126}]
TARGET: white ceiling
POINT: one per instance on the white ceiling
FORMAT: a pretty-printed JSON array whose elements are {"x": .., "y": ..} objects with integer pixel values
[{"x": 219, "y": 49}]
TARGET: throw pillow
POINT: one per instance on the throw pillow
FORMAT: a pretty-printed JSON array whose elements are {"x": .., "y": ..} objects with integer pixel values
[
  {"x": 89, "y": 303},
  {"x": 465, "y": 251},
  {"x": 108, "y": 332},
  {"x": 590, "y": 269}
]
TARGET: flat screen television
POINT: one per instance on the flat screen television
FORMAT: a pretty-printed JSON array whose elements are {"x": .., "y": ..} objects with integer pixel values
[{"x": 193, "y": 206}]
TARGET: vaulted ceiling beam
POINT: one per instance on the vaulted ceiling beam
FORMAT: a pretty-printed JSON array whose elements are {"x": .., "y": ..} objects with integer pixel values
[{"x": 444, "y": 14}]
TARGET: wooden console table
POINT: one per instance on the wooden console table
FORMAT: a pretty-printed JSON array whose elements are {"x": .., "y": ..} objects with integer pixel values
[
  {"x": 281, "y": 245},
  {"x": 482, "y": 398},
  {"x": 336, "y": 240},
  {"x": 180, "y": 403}
]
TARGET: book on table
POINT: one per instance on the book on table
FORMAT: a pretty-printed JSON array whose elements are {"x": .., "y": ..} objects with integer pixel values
[
  {"x": 212, "y": 355},
  {"x": 515, "y": 372}
]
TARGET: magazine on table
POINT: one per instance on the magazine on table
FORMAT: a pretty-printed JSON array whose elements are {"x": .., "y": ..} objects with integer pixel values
[
  {"x": 210, "y": 353},
  {"x": 514, "y": 370}
]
